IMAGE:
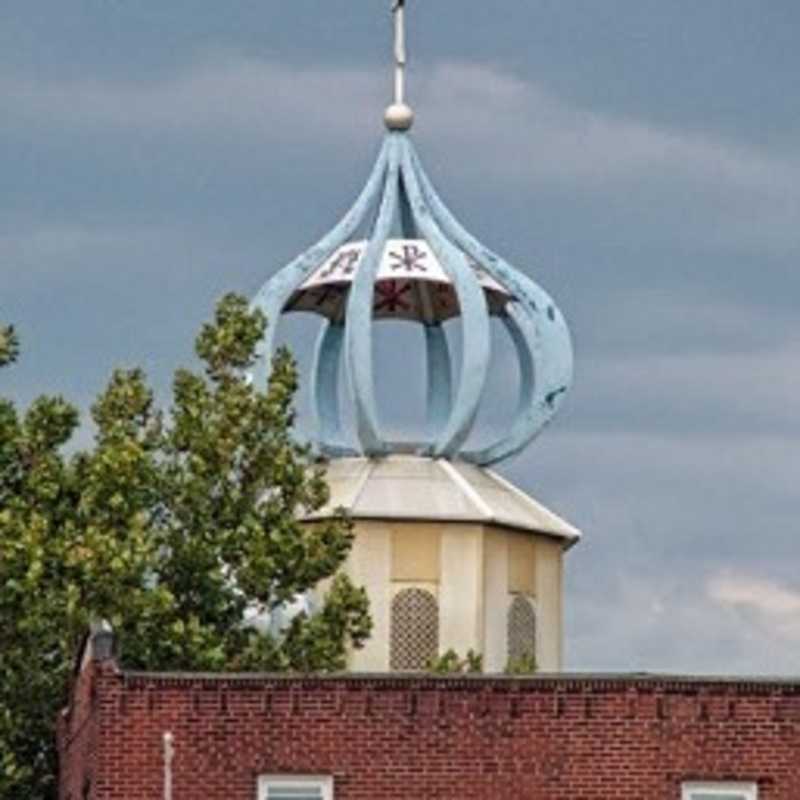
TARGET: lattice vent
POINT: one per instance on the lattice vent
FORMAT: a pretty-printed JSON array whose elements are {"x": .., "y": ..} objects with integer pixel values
[
  {"x": 414, "y": 640},
  {"x": 521, "y": 630}
]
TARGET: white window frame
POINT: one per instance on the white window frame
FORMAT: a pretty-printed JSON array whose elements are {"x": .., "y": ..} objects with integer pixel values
[
  {"x": 690, "y": 791},
  {"x": 267, "y": 782}
]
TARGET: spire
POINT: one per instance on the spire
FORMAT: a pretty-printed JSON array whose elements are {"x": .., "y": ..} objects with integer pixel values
[
  {"x": 399, "y": 115},
  {"x": 399, "y": 50}
]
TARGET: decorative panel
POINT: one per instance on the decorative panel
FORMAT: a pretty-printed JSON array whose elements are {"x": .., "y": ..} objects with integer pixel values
[
  {"x": 521, "y": 563},
  {"x": 415, "y": 552},
  {"x": 414, "y": 637},
  {"x": 521, "y": 630}
]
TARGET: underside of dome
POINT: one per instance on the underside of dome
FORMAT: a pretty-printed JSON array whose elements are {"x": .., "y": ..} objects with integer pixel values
[
  {"x": 410, "y": 284},
  {"x": 400, "y": 254}
]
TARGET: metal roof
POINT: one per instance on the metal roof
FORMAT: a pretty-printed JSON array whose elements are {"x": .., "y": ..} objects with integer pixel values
[{"x": 402, "y": 487}]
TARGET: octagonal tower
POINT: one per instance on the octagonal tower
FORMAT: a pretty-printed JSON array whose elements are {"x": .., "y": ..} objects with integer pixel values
[{"x": 453, "y": 556}]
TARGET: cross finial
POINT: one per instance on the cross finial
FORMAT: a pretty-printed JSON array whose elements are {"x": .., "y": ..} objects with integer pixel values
[{"x": 399, "y": 116}]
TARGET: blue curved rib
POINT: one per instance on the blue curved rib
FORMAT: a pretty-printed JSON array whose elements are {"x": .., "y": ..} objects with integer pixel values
[
  {"x": 521, "y": 328},
  {"x": 474, "y": 316},
  {"x": 276, "y": 292},
  {"x": 325, "y": 385},
  {"x": 440, "y": 378},
  {"x": 358, "y": 330},
  {"x": 552, "y": 351}
]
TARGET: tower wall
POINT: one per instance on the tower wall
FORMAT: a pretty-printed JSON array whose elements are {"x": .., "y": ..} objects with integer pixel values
[{"x": 473, "y": 572}]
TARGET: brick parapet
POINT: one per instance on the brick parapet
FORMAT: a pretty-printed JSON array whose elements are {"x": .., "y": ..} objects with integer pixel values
[{"x": 391, "y": 736}]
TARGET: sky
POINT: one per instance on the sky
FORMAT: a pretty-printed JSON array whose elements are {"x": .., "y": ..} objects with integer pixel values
[{"x": 639, "y": 159}]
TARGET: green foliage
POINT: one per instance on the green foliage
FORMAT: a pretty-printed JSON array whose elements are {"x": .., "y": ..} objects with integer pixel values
[
  {"x": 450, "y": 663},
  {"x": 9, "y": 346},
  {"x": 174, "y": 527},
  {"x": 524, "y": 665}
]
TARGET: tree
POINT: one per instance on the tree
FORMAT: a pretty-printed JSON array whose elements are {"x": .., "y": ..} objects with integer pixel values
[
  {"x": 8, "y": 346},
  {"x": 174, "y": 527}
]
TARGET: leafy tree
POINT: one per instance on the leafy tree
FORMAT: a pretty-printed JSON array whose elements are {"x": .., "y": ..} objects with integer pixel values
[
  {"x": 8, "y": 346},
  {"x": 174, "y": 527}
]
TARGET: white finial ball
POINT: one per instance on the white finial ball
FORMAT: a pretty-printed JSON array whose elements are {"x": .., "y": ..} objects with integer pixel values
[{"x": 399, "y": 117}]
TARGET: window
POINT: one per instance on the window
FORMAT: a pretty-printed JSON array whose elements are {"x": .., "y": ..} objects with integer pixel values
[
  {"x": 294, "y": 787},
  {"x": 414, "y": 638},
  {"x": 719, "y": 791}
]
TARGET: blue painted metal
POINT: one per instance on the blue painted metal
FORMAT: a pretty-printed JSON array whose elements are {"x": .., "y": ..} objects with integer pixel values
[
  {"x": 325, "y": 385},
  {"x": 400, "y": 192},
  {"x": 552, "y": 347},
  {"x": 520, "y": 325},
  {"x": 440, "y": 378},
  {"x": 358, "y": 330},
  {"x": 276, "y": 292},
  {"x": 474, "y": 317}
]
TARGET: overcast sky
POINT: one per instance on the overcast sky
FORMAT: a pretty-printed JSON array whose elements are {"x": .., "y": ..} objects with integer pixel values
[{"x": 639, "y": 158}]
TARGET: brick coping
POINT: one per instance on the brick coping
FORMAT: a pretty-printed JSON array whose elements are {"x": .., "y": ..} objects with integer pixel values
[{"x": 547, "y": 681}]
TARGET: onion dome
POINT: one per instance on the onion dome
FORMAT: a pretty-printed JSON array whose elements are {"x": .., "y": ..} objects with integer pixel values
[{"x": 399, "y": 254}]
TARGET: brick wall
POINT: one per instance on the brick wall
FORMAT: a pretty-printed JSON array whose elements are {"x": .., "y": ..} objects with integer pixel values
[
  {"x": 383, "y": 737},
  {"x": 77, "y": 729}
]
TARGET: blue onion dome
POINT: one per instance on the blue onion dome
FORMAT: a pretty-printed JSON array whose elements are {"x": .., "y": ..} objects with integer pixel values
[{"x": 399, "y": 254}]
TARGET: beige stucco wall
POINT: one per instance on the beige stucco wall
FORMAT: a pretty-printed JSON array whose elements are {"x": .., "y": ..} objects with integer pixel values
[
  {"x": 495, "y": 588},
  {"x": 474, "y": 571},
  {"x": 549, "y": 602},
  {"x": 461, "y": 589},
  {"x": 369, "y": 565}
]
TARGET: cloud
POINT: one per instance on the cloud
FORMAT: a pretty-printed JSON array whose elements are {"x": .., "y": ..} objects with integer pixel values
[
  {"x": 658, "y": 621},
  {"x": 729, "y": 487},
  {"x": 476, "y": 107},
  {"x": 27, "y": 253},
  {"x": 696, "y": 393},
  {"x": 561, "y": 139},
  {"x": 660, "y": 512},
  {"x": 722, "y": 193},
  {"x": 773, "y": 606},
  {"x": 256, "y": 115},
  {"x": 764, "y": 596},
  {"x": 244, "y": 97}
]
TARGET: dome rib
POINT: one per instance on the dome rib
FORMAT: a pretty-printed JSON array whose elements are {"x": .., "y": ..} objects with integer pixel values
[
  {"x": 474, "y": 318},
  {"x": 439, "y": 366},
  {"x": 551, "y": 349},
  {"x": 275, "y": 293},
  {"x": 325, "y": 387},
  {"x": 358, "y": 331}
]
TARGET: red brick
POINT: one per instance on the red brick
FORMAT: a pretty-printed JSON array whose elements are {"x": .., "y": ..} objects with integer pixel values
[{"x": 424, "y": 738}]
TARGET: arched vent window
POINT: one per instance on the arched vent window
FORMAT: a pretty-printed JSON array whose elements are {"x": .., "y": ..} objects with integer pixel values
[
  {"x": 414, "y": 640},
  {"x": 521, "y": 630}
]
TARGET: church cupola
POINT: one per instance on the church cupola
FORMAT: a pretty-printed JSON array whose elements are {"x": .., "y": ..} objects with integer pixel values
[{"x": 453, "y": 556}]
